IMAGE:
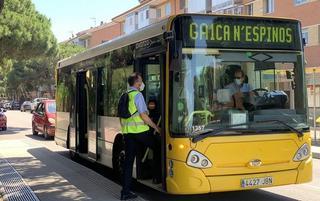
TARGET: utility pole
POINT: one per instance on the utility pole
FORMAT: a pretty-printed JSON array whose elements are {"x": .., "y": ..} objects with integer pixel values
[{"x": 314, "y": 104}]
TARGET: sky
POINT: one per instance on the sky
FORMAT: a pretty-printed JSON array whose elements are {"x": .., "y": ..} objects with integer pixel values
[{"x": 73, "y": 16}]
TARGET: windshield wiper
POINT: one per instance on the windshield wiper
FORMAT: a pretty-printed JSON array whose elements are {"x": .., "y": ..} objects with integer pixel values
[
  {"x": 299, "y": 132},
  {"x": 211, "y": 132}
]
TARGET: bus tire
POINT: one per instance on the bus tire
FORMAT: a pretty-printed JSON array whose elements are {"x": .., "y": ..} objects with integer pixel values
[{"x": 118, "y": 156}]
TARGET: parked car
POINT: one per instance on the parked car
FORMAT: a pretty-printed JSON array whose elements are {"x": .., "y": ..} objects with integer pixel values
[
  {"x": 3, "y": 120},
  {"x": 35, "y": 103},
  {"x": 15, "y": 105},
  {"x": 7, "y": 105},
  {"x": 43, "y": 119},
  {"x": 26, "y": 105}
]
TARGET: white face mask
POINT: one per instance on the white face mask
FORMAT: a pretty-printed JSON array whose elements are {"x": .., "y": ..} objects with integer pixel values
[
  {"x": 238, "y": 81},
  {"x": 142, "y": 87}
]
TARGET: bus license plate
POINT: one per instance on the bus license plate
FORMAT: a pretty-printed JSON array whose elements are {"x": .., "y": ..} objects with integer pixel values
[{"x": 253, "y": 182}]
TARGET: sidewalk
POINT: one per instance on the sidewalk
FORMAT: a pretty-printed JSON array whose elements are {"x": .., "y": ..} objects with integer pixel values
[
  {"x": 315, "y": 149},
  {"x": 50, "y": 176}
]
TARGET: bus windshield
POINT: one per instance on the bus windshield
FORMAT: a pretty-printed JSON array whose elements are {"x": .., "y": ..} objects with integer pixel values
[{"x": 213, "y": 88}]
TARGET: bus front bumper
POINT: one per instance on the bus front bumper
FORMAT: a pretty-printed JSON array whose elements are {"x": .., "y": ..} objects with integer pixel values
[{"x": 190, "y": 180}]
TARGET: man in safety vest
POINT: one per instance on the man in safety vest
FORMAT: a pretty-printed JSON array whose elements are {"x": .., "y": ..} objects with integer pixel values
[{"x": 135, "y": 131}]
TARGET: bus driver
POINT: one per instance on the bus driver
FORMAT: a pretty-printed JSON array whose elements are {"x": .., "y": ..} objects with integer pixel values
[{"x": 238, "y": 87}]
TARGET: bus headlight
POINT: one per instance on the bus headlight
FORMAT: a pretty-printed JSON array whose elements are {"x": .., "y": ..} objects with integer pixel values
[
  {"x": 302, "y": 153},
  {"x": 198, "y": 160}
]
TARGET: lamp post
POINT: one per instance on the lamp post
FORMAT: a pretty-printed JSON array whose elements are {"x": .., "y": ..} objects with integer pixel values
[{"x": 314, "y": 104}]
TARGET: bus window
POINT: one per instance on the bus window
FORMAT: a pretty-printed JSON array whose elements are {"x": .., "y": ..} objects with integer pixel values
[
  {"x": 205, "y": 91},
  {"x": 153, "y": 82}
]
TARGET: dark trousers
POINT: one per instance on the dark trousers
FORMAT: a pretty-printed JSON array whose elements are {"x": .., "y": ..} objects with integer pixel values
[{"x": 132, "y": 142}]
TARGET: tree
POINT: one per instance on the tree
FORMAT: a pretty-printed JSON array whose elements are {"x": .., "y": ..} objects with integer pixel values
[
  {"x": 24, "y": 32},
  {"x": 1, "y": 5},
  {"x": 69, "y": 49},
  {"x": 28, "y": 49},
  {"x": 28, "y": 75}
]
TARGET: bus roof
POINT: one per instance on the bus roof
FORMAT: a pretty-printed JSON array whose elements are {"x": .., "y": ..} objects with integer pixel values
[
  {"x": 137, "y": 36},
  {"x": 150, "y": 31}
]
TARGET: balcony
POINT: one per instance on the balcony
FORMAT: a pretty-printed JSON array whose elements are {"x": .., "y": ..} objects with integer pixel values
[
  {"x": 231, "y": 7},
  {"x": 222, "y": 5}
]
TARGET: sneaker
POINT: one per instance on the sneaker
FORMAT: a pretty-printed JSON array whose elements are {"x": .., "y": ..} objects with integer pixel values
[{"x": 128, "y": 196}]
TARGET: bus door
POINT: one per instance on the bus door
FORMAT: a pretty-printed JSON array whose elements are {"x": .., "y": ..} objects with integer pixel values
[
  {"x": 87, "y": 113},
  {"x": 151, "y": 72}
]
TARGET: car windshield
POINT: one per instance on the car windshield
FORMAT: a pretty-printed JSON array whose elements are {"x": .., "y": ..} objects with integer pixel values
[
  {"x": 213, "y": 89},
  {"x": 51, "y": 107}
]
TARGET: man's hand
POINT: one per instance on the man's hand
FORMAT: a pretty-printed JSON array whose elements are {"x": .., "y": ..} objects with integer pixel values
[
  {"x": 158, "y": 130},
  {"x": 148, "y": 121}
]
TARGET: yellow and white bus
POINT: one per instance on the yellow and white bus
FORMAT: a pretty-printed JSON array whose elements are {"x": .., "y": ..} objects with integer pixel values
[{"x": 188, "y": 63}]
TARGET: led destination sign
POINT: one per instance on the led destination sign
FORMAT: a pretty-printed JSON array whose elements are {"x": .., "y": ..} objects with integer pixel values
[{"x": 238, "y": 32}]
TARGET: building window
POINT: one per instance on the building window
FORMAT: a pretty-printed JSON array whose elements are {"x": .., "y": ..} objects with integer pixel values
[
  {"x": 299, "y": 2},
  {"x": 158, "y": 12},
  {"x": 141, "y": 16},
  {"x": 249, "y": 9},
  {"x": 238, "y": 10},
  {"x": 269, "y": 6},
  {"x": 147, "y": 14},
  {"x": 130, "y": 21},
  {"x": 182, "y": 4},
  {"x": 208, "y": 6},
  {"x": 305, "y": 36},
  {"x": 168, "y": 9}
]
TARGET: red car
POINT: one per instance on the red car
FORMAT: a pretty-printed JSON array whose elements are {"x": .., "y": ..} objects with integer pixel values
[
  {"x": 43, "y": 119},
  {"x": 3, "y": 120}
]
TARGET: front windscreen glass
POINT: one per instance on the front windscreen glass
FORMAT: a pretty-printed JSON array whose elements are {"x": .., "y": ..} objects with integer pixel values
[
  {"x": 51, "y": 107},
  {"x": 213, "y": 89}
]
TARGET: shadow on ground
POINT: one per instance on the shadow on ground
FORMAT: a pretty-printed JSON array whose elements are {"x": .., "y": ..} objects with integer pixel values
[
  {"x": 52, "y": 175},
  {"x": 55, "y": 176},
  {"x": 151, "y": 194},
  {"x": 39, "y": 137},
  {"x": 13, "y": 130}
]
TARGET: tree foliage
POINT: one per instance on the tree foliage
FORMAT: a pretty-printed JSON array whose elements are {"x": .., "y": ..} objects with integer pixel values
[
  {"x": 28, "y": 75},
  {"x": 68, "y": 49},
  {"x": 28, "y": 50},
  {"x": 24, "y": 32}
]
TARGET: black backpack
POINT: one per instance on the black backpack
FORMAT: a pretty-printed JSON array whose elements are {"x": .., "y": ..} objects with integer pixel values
[{"x": 123, "y": 106}]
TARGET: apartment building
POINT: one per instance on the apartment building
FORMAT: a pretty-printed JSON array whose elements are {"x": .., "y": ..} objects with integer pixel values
[
  {"x": 146, "y": 13},
  {"x": 96, "y": 35}
]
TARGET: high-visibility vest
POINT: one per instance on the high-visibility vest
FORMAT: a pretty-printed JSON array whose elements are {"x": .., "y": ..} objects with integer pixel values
[{"x": 133, "y": 124}]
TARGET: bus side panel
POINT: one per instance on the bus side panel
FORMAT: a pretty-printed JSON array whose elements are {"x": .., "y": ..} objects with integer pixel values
[
  {"x": 62, "y": 123},
  {"x": 108, "y": 128}
]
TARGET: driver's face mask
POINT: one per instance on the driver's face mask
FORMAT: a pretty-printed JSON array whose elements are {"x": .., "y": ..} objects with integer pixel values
[{"x": 238, "y": 81}]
